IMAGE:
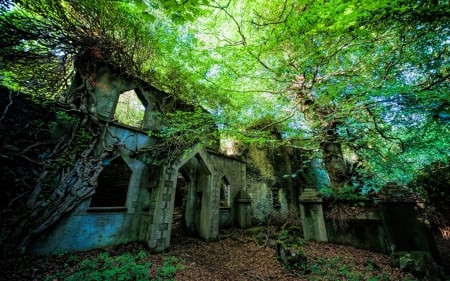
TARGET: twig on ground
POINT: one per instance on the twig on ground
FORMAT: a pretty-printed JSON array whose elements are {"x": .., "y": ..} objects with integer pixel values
[{"x": 254, "y": 276}]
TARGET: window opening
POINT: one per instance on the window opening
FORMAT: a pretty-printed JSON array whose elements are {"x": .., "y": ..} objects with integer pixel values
[
  {"x": 275, "y": 196},
  {"x": 112, "y": 187},
  {"x": 130, "y": 109},
  {"x": 224, "y": 193}
]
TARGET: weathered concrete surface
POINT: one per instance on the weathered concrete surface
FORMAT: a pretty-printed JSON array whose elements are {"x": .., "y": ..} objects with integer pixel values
[
  {"x": 365, "y": 232},
  {"x": 88, "y": 231},
  {"x": 274, "y": 183},
  {"x": 243, "y": 209},
  {"x": 315, "y": 175},
  {"x": 312, "y": 218}
]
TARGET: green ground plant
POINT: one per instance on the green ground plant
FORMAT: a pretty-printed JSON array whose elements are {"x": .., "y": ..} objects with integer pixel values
[
  {"x": 299, "y": 263},
  {"x": 124, "y": 267},
  {"x": 336, "y": 269}
]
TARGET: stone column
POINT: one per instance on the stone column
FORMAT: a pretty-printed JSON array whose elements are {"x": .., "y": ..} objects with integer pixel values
[
  {"x": 311, "y": 211},
  {"x": 158, "y": 234},
  {"x": 243, "y": 209}
]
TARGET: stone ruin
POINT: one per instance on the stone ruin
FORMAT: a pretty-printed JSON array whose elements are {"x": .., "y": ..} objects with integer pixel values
[
  {"x": 204, "y": 190},
  {"x": 199, "y": 192}
]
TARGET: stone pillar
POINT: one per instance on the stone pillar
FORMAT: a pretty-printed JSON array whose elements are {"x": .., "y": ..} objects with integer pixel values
[
  {"x": 243, "y": 209},
  {"x": 311, "y": 211},
  {"x": 158, "y": 234},
  {"x": 209, "y": 212}
]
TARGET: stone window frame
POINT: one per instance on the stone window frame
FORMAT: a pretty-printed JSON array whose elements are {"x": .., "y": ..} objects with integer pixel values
[
  {"x": 144, "y": 102},
  {"x": 276, "y": 196},
  {"x": 225, "y": 203},
  {"x": 130, "y": 203}
]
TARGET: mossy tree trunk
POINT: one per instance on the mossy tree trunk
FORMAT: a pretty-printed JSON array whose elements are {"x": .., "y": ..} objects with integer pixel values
[
  {"x": 64, "y": 165},
  {"x": 333, "y": 158}
]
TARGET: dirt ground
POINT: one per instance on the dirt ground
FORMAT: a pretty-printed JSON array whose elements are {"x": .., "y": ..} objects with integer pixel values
[
  {"x": 235, "y": 256},
  {"x": 239, "y": 257}
]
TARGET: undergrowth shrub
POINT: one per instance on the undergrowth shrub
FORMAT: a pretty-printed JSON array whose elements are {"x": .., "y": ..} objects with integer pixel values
[{"x": 125, "y": 267}]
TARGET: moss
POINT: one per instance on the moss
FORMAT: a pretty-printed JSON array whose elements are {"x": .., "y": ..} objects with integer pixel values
[
  {"x": 259, "y": 161},
  {"x": 253, "y": 231}
]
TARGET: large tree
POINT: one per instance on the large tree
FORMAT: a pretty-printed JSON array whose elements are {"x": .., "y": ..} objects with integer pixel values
[{"x": 342, "y": 78}]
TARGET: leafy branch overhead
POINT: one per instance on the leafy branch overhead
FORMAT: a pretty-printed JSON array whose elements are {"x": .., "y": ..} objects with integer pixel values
[{"x": 359, "y": 83}]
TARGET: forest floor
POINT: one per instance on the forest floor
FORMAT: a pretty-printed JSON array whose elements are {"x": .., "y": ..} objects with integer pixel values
[{"x": 235, "y": 256}]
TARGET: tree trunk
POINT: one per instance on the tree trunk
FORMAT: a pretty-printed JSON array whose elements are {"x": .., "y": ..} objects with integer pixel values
[
  {"x": 35, "y": 157},
  {"x": 335, "y": 164},
  {"x": 75, "y": 186},
  {"x": 333, "y": 157}
]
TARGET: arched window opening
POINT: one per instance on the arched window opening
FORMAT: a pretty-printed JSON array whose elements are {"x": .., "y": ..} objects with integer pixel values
[
  {"x": 224, "y": 193},
  {"x": 130, "y": 109},
  {"x": 112, "y": 187}
]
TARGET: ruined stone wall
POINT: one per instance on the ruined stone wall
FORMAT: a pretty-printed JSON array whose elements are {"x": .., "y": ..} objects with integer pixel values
[
  {"x": 272, "y": 184},
  {"x": 87, "y": 226},
  {"x": 234, "y": 172},
  {"x": 90, "y": 227}
]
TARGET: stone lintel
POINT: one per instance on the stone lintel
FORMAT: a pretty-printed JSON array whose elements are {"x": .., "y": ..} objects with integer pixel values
[
  {"x": 243, "y": 197},
  {"x": 310, "y": 195},
  {"x": 397, "y": 193}
]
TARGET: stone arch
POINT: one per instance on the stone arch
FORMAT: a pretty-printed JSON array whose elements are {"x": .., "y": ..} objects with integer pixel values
[
  {"x": 202, "y": 200},
  {"x": 202, "y": 203}
]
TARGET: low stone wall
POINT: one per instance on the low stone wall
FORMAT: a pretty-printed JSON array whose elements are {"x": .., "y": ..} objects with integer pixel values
[
  {"x": 82, "y": 232},
  {"x": 392, "y": 227},
  {"x": 365, "y": 232},
  {"x": 225, "y": 218}
]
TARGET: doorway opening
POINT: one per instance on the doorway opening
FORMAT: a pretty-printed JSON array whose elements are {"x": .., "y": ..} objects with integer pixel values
[
  {"x": 192, "y": 213},
  {"x": 179, "y": 209}
]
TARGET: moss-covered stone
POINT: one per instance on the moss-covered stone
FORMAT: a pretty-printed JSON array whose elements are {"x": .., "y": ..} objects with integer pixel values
[
  {"x": 291, "y": 255},
  {"x": 253, "y": 231},
  {"x": 418, "y": 263},
  {"x": 289, "y": 248}
]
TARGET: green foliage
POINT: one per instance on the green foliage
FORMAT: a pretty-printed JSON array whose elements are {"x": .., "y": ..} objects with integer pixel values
[
  {"x": 120, "y": 268},
  {"x": 8, "y": 79},
  {"x": 356, "y": 68},
  {"x": 183, "y": 129},
  {"x": 170, "y": 266},
  {"x": 335, "y": 269},
  {"x": 433, "y": 184},
  {"x": 369, "y": 75},
  {"x": 54, "y": 37},
  {"x": 344, "y": 194}
]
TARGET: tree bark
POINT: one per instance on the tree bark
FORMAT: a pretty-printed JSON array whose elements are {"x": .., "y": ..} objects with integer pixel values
[
  {"x": 35, "y": 161},
  {"x": 75, "y": 186},
  {"x": 335, "y": 164}
]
